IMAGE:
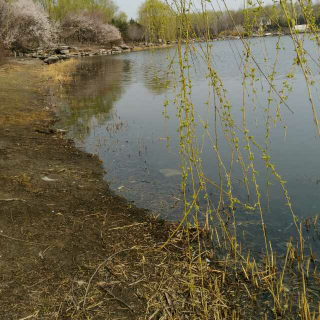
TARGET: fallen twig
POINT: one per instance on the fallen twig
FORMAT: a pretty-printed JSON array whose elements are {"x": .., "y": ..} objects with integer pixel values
[
  {"x": 13, "y": 199},
  {"x": 128, "y": 226},
  {"x": 116, "y": 298},
  {"x": 20, "y": 240},
  {"x": 41, "y": 253},
  {"x": 31, "y": 316}
]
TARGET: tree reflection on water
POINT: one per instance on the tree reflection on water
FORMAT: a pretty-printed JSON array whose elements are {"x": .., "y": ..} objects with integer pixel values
[{"x": 89, "y": 99}]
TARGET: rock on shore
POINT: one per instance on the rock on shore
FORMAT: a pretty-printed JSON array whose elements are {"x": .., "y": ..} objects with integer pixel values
[{"x": 64, "y": 52}]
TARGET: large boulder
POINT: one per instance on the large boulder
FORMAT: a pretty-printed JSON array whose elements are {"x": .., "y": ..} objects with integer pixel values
[
  {"x": 64, "y": 51},
  {"x": 116, "y": 50},
  {"x": 64, "y": 57},
  {"x": 124, "y": 47},
  {"x": 51, "y": 60},
  {"x": 102, "y": 52}
]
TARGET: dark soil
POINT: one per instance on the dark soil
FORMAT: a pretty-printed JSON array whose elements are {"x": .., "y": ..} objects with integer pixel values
[{"x": 69, "y": 248}]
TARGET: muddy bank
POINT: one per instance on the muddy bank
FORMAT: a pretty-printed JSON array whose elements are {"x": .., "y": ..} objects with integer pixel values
[
  {"x": 69, "y": 247},
  {"x": 58, "y": 219}
]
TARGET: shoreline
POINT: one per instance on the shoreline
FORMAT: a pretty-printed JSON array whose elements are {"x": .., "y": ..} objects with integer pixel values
[
  {"x": 61, "y": 52},
  {"x": 65, "y": 52},
  {"x": 72, "y": 249},
  {"x": 59, "y": 219}
]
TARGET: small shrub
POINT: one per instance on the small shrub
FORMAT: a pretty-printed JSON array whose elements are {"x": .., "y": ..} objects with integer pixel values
[{"x": 88, "y": 27}]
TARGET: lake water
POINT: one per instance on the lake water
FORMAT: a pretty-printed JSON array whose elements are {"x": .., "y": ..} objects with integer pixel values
[{"x": 114, "y": 108}]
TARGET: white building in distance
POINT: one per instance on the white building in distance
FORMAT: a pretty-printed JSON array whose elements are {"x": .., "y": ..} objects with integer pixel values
[{"x": 301, "y": 28}]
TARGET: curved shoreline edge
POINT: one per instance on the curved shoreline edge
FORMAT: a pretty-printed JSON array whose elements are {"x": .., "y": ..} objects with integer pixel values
[{"x": 71, "y": 249}]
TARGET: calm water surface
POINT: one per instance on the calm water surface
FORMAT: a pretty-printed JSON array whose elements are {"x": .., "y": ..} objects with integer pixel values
[{"x": 115, "y": 109}]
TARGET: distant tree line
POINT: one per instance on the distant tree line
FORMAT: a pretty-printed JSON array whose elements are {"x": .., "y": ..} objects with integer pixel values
[
  {"x": 161, "y": 20},
  {"x": 25, "y": 24}
]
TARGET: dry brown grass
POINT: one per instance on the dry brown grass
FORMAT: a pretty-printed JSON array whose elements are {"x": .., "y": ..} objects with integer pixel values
[
  {"x": 61, "y": 72},
  {"x": 180, "y": 282},
  {"x": 212, "y": 283},
  {"x": 23, "y": 106},
  {"x": 22, "y": 118}
]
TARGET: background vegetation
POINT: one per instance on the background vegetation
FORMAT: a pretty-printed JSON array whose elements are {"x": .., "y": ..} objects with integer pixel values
[
  {"x": 159, "y": 17},
  {"x": 28, "y": 24}
]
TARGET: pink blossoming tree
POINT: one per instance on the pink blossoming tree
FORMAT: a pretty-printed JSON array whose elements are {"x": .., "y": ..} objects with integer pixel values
[
  {"x": 88, "y": 27},
  {"x": 24, "y": 24}
]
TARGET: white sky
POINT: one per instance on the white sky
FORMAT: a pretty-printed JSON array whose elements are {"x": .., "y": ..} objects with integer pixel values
[{"x": 130, "y": 7}]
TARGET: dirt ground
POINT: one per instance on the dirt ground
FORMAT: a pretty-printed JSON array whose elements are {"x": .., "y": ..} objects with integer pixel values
[{"x": 69, "y": 248}]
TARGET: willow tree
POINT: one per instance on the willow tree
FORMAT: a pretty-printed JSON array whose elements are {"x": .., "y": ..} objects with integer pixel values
[
  {"x": 58, "y": 9},
  {"x": 158, "y": 19},
  {"x": 269, "y": 72}
]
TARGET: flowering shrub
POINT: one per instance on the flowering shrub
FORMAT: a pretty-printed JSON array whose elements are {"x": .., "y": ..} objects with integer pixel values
[
  {"x": 24, "y": 25},
  {"x": 88, "y": 27}
]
